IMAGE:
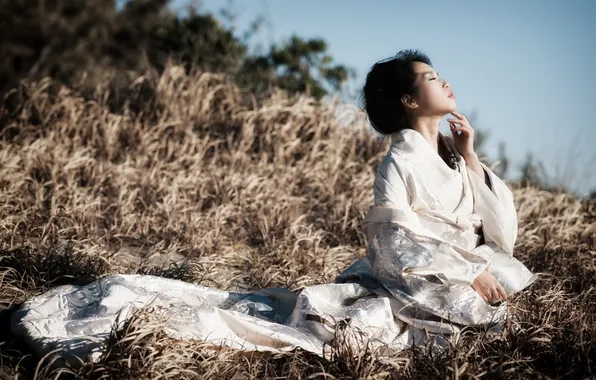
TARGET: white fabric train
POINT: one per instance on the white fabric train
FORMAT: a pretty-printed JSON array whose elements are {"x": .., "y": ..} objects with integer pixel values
[{"x": 415, "y": 280}]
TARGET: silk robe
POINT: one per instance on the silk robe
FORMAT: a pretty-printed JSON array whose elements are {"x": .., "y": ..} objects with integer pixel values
[
  {"x": 423, "y": 251},
  {"x": 416, "y": 189}
]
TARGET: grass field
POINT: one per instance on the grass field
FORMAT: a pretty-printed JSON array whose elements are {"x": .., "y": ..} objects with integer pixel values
[{"x": 187, "y": 177}]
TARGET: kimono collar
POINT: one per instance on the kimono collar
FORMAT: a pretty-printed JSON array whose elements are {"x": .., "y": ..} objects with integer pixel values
[
  {"x": 411, "y": 141},
  {"x": 412, "y": 144}
]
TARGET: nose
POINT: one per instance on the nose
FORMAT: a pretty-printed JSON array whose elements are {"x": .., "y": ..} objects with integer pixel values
[{"x": 446, "y": 84}]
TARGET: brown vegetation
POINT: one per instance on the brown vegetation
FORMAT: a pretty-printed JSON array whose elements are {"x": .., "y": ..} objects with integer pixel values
[{"x": 189, "y": 178}]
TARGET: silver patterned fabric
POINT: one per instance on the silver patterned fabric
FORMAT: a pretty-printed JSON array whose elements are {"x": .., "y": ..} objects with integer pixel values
[{"x": 393, "y": 254}]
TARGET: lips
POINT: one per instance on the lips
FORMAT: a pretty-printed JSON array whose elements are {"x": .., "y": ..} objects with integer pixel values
[{"x": 450, "y": 95}]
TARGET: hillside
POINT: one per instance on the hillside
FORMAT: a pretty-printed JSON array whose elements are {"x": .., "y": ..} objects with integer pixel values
[{"x": 187, "y": 177}]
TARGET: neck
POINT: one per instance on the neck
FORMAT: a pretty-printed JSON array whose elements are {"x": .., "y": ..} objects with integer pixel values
[{"x": 428, "y": 127}]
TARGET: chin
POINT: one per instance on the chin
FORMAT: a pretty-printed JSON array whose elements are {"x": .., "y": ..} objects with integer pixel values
[{"x": 447, "y": 110}]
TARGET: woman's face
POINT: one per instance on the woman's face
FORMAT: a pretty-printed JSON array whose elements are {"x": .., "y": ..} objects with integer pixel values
[{"x": 434, "y": 94}]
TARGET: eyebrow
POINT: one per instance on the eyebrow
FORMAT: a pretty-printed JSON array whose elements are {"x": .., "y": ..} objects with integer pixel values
[{"x": 430, "y": 72}]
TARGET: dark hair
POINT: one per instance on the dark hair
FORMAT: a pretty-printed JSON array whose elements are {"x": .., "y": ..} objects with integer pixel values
[{"x": 387, "y": 81}]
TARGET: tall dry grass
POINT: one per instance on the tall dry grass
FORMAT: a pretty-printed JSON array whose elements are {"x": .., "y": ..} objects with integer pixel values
[{"x": 190, "y": 178}]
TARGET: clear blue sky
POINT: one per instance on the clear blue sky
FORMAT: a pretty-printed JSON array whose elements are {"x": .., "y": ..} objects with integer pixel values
[{"x": 527, "y": 67}]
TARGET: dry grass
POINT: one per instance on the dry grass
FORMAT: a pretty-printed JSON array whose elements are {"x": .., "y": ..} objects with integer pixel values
[{"x": 192, "y": 179}]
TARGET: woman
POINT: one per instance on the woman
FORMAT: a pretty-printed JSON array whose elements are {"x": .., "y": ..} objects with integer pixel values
[
  {"x": 443, "y": 225},
  {"x": 441, "y": 233}
]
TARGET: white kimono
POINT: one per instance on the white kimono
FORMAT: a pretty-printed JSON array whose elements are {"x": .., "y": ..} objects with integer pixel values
[
  {"x": 417, "y": 190},
  {"x": 423, "y": 250},
  {"x": 422, "y": 258}
]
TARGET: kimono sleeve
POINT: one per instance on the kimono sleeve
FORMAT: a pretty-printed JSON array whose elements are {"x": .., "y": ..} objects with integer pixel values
[
  {"x": 495, "y": 206},
  {"x": 392, "y": 204},
  {"x": 390, "y": 192}
]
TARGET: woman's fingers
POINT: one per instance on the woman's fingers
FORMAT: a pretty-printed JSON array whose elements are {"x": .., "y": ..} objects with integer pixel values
[
  {"x": 502, "y": 292},
  {"x": 463, "y": 124},
  {"x": 458, "y": 115},
  {"x": 497, "y": 293},
  {"x": 457, "y": 121},
  {"x": 488, "y": 296},
  {"x": 494, "y": 296},
  {"x": 489, "y": 288},
  {"x": 455, "y": 125},
  {"x": 464, "y": 130}
]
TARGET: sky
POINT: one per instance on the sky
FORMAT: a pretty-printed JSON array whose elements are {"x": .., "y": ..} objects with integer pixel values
[{"x": 526, "y": 69}]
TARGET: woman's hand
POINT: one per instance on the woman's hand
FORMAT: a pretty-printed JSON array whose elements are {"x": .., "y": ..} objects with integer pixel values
[
  {"x": 489, "y": 288},
  {"x": 464, "y": 142}
]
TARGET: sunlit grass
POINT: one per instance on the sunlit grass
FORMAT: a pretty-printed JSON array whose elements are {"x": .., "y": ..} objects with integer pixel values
[{"x": 193, "y": 179}]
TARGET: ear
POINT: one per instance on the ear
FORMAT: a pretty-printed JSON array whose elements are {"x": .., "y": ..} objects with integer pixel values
[{"x": 408, "y": 102}]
